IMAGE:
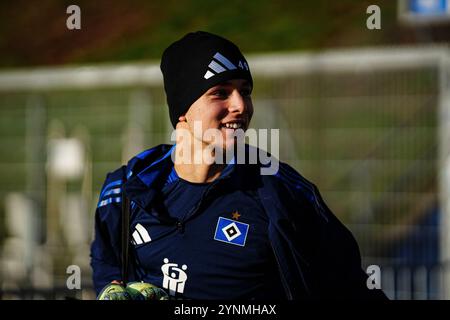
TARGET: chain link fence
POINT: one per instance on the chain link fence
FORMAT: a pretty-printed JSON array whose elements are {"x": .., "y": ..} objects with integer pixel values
[{"x": 362, "y": 124}]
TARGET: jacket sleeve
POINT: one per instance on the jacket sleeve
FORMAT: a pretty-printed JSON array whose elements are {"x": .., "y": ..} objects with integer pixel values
[
  {"x": 106, "y": 247},
  {"x": 331, "y": 250}
]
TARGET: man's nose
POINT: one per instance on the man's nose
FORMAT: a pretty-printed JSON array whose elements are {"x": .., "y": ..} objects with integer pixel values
[{"x": 237, "y": 102}]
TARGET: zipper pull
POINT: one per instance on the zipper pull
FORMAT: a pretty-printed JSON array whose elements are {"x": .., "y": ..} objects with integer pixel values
[{"x": 180, "y": 226}]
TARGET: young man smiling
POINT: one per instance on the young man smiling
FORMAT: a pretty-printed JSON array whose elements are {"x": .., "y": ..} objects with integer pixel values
[
  {"x": 214, "y": 118},
  {"x": 221, "y": 229}
]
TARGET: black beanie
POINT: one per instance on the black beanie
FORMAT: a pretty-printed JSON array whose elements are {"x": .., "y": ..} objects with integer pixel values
[{"x": 195, "y": 63}]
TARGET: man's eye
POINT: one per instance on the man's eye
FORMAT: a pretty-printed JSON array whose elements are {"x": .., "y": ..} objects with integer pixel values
[{"x": 220, "y": 93}]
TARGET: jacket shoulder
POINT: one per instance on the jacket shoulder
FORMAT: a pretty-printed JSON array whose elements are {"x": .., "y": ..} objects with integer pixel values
[
  {"x": 300, "y": 189},
  {"x": 111, "y": 192},
  {"x": 294, "y": 181}
]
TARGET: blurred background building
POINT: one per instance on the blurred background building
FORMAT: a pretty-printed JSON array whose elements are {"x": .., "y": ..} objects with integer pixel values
[{"x": 363, "y": 113}]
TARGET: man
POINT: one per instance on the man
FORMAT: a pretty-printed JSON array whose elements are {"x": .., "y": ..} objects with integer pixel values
[{"x": 220, "y": 229}]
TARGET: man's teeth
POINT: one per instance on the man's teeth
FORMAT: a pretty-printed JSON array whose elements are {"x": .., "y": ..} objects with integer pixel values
[{"x": 233, "y": 125}]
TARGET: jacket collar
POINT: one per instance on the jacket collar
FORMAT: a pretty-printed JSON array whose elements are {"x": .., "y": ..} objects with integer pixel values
[{"x": 143, "y": 186}]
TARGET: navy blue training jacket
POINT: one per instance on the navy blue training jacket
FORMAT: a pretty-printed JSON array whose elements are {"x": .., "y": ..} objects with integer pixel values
[{"x": 317, "y": 256}]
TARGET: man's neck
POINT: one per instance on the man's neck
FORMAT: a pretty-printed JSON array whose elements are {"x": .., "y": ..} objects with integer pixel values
[{"x": 197, "y": 172}]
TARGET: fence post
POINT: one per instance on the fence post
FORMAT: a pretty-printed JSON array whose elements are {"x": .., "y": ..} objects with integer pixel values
[
  {"x": 444, "y": 171},
  {"x": 35, "y": 141}
]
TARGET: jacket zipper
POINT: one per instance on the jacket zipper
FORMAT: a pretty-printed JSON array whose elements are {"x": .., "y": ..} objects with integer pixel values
[{"x": 193, "y": 212}]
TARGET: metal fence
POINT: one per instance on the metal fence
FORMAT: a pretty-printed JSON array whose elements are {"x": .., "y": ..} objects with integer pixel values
[{"x": 365, "y": 125}]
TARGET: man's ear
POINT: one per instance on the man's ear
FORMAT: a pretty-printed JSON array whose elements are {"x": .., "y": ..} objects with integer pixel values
[{"x": 182, "y": 123}]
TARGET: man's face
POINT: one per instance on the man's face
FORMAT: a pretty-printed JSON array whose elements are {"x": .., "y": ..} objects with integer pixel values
[{"x": 226, "y": 107}]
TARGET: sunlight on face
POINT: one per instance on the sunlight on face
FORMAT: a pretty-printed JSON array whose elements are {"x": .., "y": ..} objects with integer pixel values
[{"x": 226, "y": 107}]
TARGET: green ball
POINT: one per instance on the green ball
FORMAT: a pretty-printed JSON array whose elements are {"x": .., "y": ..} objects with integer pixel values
[
  {"x": 145, "y": 291},
  {"x": 114, "y": 291}
]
